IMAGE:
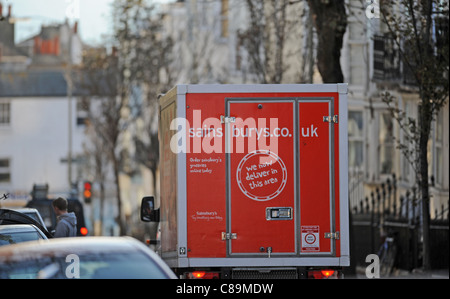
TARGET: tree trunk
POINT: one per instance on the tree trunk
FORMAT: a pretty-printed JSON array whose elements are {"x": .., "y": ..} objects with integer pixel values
[
  {"x": 330, "y": 20},
  {"x": 425, "y": 125},
  {"x": 155, "y": 182},
  {"x": 120, "y": 221},
  {"x": 102, "y": 205}
]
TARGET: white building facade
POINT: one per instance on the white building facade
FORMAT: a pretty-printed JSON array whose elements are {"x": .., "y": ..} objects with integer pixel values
[
  {"x": 209, "y": 49},
  {"x": 35, "y": 143},
  {"x": 41, "y": 118}
]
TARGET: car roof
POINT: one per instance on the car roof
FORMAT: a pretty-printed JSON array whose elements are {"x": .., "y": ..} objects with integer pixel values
[
  {"x": 31, "y": 211},
  {"x": 23, "y": 210},
  {"x": 15, "y": 228},
  {"x": 61, "y": 247}
]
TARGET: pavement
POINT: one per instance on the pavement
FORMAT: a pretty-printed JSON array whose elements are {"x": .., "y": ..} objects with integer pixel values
[
  {"x": 404, "y": 274},
  {"x": 420, "y": 274}
]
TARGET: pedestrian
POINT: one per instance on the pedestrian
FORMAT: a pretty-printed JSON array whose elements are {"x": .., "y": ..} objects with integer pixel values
[{"x": 67, "y": 222}]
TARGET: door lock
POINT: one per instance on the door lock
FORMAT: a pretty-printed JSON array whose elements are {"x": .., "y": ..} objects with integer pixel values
[
  {"x": 229, "y": 236},
  {"x": 268, "y": 250}
]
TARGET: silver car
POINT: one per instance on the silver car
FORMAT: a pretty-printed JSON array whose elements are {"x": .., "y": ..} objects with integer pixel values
[
  {"x": 8, "y": 217},
  {"x": 33, "y": 213},
  {"x": 90, "y": 257},
  {"x": 18, "y": 233}
]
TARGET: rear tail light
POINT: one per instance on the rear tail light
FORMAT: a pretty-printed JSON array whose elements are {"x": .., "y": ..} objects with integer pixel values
[
  {"x": 83, "y": 231},
  {"x": 327, "y": 273},
  {"x": 203, "y": 275},
  {"x": 198, "y": 274},
  {"x": 323, "y": 274}
]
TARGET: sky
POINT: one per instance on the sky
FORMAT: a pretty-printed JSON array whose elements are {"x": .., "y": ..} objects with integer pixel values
[{"x": 92, "y": 16}]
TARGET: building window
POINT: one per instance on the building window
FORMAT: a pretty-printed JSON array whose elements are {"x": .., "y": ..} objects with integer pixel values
[
  {"x": 82, "y": 111},
  {"x": 355, "y": 139},
  {"x": 5, "y": 113},
  {"x": 439, "y": 162},
  {"x": 5, "y": 171},
  {"x": 386, "y": 138},
  {"x": 405, "y": 156}
]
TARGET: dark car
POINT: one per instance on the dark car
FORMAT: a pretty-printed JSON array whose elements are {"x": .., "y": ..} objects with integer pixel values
[
  {"x": 89, "y": 258},
  {"x": 45, "y": 208}
]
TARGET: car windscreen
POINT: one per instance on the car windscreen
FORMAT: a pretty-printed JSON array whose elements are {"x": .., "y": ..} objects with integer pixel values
[
  {"x": 110, "y": 265},
  {"x": 18, "y": 237},
  {"x": 32, "y": 215},
  {"x": 46, "y": 211}
]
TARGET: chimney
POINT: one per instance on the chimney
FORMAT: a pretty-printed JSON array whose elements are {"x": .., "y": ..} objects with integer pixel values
[
  {"x": 75, "y": 27},
  {"x": 9, "y": 11},
  {"x": 1, "y": 10}
]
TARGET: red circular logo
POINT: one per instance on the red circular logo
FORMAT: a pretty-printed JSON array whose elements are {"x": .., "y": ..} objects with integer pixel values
[
  {"x": 261, "y": 175},
  {"x": 310, "y": 238}
]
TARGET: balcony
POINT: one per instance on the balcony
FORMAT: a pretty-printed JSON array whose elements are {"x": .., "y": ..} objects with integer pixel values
[{"x": 388, "y": 64}]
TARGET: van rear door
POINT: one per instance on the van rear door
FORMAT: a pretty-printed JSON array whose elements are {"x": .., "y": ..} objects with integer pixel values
[
  {"x": 261, "y": 170},
  {"x": 280, "y": 177}
]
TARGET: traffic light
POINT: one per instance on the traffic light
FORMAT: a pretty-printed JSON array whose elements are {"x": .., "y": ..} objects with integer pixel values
[{"x": 87, "y": 192}]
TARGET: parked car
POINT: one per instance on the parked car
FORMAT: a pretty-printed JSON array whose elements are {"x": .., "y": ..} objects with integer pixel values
[
  {"x": 33, "y": 213},
  {"x": 45, "y": 208},
  {"x": 15, "y": 217},
  {"x": 90, "y": 257},
  {"x": 18, "y": 233}
]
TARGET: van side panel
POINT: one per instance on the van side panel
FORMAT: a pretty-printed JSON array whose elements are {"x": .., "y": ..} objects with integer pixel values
[{"x": 205, "y": 176}]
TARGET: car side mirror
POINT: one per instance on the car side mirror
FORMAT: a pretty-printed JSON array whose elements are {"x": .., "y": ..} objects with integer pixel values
[{"x": 148, "y": 211}]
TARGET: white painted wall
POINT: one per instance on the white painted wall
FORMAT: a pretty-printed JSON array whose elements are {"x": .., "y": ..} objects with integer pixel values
[{"x": 35, "y": 142}]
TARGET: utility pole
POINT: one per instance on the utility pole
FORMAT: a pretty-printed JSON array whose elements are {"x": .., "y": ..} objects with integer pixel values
[
  {"x": 69, "y": 96},
  {"x": 68, "y": 77}
]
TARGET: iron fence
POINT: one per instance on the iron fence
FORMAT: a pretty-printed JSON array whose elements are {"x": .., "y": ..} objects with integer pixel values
[{"x": 388, "y": 214}]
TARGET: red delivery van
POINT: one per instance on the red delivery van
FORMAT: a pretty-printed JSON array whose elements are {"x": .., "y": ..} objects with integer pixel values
[{"x": 253, "y": 181}]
